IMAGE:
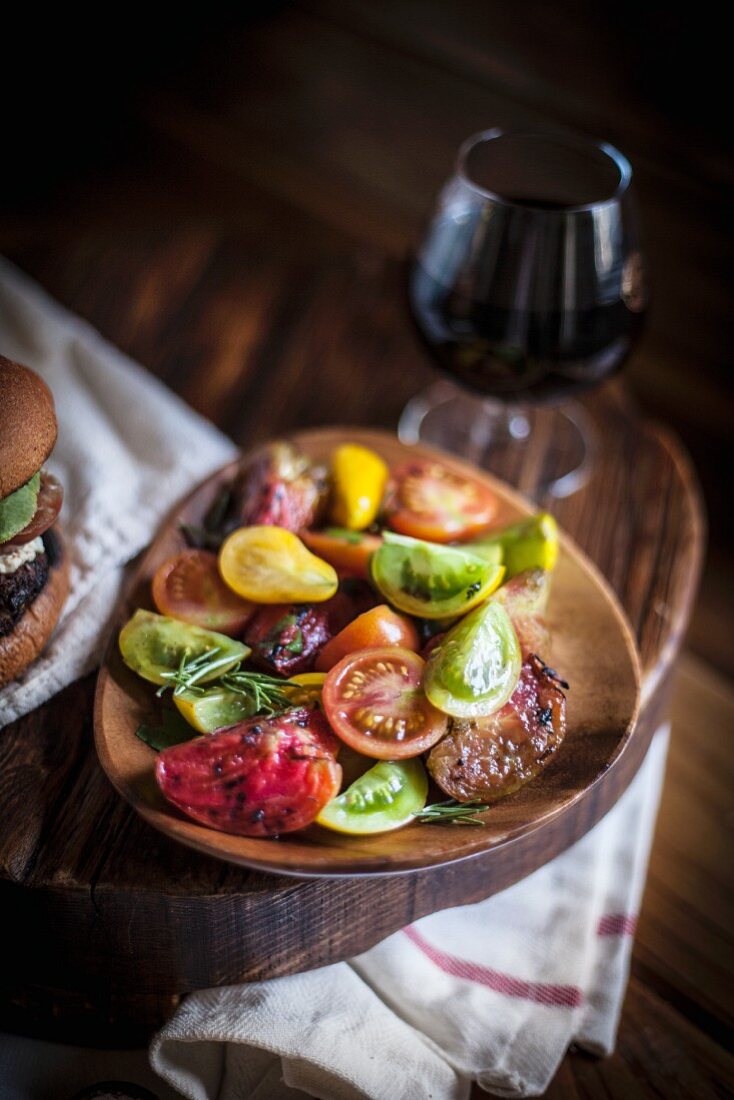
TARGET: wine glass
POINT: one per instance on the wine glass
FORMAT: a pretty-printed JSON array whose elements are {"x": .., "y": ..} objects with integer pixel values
[{"x": 528, "y": 288}]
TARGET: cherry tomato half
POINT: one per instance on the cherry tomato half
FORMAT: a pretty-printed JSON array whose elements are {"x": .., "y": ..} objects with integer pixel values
[
  {"x": 189, "y": 587},
  {"x": 348, "y": 551},
  {"x": 259, "y": 778},
  {"x": 271, "y": 565},
  {"x": 428, "y": 501},
  {"x": 525, "y": 599},
  {"x": 380, "y": 626},
  {"x": 374, "y": 702}
]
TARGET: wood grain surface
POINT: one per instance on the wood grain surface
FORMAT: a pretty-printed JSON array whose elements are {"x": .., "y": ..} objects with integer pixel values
[
  {"x": 243, "y": 237},
  {"x": 113, "y": 905}
]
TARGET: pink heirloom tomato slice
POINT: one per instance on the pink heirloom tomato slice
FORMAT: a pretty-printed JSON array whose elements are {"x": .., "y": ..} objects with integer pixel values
[{"x": 261, "y": 777}]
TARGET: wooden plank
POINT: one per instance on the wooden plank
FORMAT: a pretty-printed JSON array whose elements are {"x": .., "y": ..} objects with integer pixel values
[
  {"x": 685, "y": 938},
  {"x": 658, "y": 1054},
  {"x": 488, "y": 46},
  {"x": 330, "y": 148}
]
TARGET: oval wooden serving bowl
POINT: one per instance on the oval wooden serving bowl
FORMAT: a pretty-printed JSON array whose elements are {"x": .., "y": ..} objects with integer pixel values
[{"x": 593, "y": 649}]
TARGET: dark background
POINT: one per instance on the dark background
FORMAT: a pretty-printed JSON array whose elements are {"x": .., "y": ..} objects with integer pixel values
[{"x": 124, "y": 126}]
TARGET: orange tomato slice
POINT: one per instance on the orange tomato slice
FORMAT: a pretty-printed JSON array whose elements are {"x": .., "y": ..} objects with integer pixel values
[
  {"x": 189, "y": 587},
  {"x": 380, "y": 626},
  {"x": 428, "y": 501},
  {"x": 348, "y": 551}
]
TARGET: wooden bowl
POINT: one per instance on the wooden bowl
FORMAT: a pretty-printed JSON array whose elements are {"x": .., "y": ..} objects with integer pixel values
[{"x": 593, "y": 649}]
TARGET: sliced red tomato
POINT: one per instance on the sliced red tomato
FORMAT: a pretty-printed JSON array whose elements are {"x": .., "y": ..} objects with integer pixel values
[
  {"x": 261, "y": 777},
  {"x": 189, "y": 587},
  {"x": 426, "y": 500},
  {"x": 48, "y": 506},
  {"x": 374, "y": 702},
  {"x": 379, "y": 627},
  {"x": 348, "y": 551}
]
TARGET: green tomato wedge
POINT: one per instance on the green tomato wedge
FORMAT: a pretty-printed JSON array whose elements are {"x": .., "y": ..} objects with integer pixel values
[
  {"x": 530, "y": 544},
  {"x": 18, "y": 509},
  {"x": 432, "y": 581},
  {"x": 382, "y": 799},
  {"x": 153, "y": 645},
  {"x": 215, "y": 709},
  {"x": 475, "y": 669},
  {"x": 486, "y": 549}
]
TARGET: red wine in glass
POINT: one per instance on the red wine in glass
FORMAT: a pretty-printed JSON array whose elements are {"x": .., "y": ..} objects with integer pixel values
[{"x": 528, "y": 288}]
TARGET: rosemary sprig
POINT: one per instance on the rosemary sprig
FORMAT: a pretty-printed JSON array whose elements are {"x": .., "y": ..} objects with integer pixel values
[
  {"x": 190, "y": 670},
  {"x": 266, "y": 694},
  {"x": 452, "y": 812}
]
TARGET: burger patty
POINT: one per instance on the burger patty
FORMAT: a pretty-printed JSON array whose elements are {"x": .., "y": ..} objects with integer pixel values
[{"x": 19, "y": 589}]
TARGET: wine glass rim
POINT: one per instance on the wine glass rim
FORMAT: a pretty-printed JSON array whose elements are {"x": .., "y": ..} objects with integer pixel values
[{"x": 576, "y": 141}]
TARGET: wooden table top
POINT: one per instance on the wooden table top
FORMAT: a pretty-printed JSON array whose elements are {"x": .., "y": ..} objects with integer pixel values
[{"x": 261, "y": 278}]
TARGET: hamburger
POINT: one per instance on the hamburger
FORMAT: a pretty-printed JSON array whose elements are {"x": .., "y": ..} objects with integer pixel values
[{"x": 34, "y": 569}]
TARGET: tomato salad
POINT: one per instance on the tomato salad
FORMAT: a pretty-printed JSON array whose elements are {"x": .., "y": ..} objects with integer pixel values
[{"x": 336, "y": 637}]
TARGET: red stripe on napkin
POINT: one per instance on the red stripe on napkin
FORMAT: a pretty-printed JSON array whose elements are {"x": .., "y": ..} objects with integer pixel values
[
  {"x": 617, "y": 924},
  {"x": 545, "y": 993}
]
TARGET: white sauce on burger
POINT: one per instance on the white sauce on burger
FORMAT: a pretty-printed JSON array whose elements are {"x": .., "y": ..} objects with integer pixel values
[{"x": 12, "y": 561}]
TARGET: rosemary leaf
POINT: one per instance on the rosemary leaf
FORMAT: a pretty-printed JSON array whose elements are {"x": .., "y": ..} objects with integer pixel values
[
  {"x": 452, "y": 812},
  {"x": 197, "y": 675}
]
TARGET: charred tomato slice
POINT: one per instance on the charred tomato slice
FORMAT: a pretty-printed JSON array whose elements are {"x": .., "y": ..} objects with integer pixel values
[
  {"x": 375, "y": 703},
  {"x": 286, "y": 638},
  {"x": 258, "y": 778},
  {"x": 488, "y": 758},
  {"x": 278, "y": 487}
]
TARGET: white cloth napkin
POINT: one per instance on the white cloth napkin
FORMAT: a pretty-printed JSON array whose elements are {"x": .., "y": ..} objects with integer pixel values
[
  {"x": 494, "y": 992},
  {"x": 127, "y": 450}
]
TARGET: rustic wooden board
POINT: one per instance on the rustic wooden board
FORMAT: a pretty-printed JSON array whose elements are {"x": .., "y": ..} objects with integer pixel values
[
  {"x": 592, "y": 647},
  {"x": 251, "y": 232},
  {"x": 111, "y": 908}
]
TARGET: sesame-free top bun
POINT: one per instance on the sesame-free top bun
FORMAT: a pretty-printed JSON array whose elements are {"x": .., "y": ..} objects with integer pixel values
[
  {"x": 27, "y": 425},
  {"x": 33, "y": 629}
]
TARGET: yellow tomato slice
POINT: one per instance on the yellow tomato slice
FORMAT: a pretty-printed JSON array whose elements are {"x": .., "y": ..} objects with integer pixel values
[
  {"x": 271, "y": 565},
  {"x": 213, "y": 710},
  {"x": 307, "y": 689},
  {"x": 359, "y": 480}
]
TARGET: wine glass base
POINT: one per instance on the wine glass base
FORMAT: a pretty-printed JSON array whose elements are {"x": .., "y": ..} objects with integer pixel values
[{"x": 542, "y": 450}]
